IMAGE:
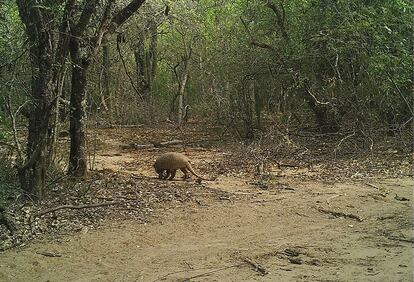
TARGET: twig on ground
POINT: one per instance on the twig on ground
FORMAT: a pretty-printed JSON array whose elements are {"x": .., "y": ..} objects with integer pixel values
[
  {"x": 196, "y": 269},
  {"x": 257, "y": 267},
  {"x": 301, "y": 214},
  {"x": 373, "y": 186},
  {"x": 401, "y": 239},
  {"x": 75, "y": 207},
  {"x": 341, "y": 214},
  {"x": 49, "y": 254},
  {"x": 166, "y": 143},
  {"x": 333, "y": 197},
  {"x": 226, "y": 199},
  {"x": 342, "y": 140},
  {"x": 287, "y": 165}
]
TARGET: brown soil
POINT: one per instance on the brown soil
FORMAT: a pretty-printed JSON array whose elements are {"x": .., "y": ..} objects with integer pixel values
[{"x": 289, "y": 226}]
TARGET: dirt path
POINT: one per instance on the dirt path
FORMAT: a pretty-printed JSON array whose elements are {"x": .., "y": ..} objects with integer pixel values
[{"x": 290, "y": 230}]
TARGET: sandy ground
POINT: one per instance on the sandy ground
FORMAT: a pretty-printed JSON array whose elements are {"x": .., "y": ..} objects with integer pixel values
[{"x": 294, "y": 230}]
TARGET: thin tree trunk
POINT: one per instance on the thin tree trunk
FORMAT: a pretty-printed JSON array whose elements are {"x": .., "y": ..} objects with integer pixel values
[
  {"x": 181, "y": 93},
  {"x": 106, "y": 96},
  {"x": 141, "y": 66},
  {"x": 77, "y": 155},
  {"x": 152, "y": 53}
]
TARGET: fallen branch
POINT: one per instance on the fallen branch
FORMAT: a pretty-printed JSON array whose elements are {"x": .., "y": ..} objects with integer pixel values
[
  {"x": 197, "y": 269},
  {"x": 257, "y": 267},
  {"x": 333, "y": 197},
  {"x": 166, "y": 143},
  {"x": 49, "y": 254},
  {"x": 401, "y": 239},
  {"x": 137, "y": 146},
  {"x": 287, "y": 165},
  {"x": 301, "y": 214},
  {"x": 210, "y": 272},
  {"x": 341, "y": 214},
  {"x": 373, "y": 186},
  {"x": 75, "y": 207},
  {"x": 156, "y": 144},
  {"x": 109, "y": 126}
]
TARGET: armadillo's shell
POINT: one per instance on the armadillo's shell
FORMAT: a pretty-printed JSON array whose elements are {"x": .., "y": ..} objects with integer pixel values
[{"x": 171, "y": 161}]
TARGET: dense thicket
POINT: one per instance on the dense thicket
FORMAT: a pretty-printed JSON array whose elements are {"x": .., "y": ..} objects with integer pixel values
[{"x": 325, "y": 65}]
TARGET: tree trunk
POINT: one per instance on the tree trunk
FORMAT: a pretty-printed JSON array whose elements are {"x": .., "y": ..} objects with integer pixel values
[
  {"x": 146, "y": 58},
  {"x": 152, "y": 53},
  {"x": 181, "y": 93},
  {"x": 77, "y": 155},
  {"x": 106, "y": 96},
  {"x": 32, "y": 174},
  {"x": 140, "y": 62},
  {"x": 39, "y": 151},
  {"x": 248, "y": 102}
]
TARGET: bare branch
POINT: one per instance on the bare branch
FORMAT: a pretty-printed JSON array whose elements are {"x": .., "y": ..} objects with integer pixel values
[
  {"x": 76, "y": 207},
  {"x": 401, "y": 94},
  {"x": 103, "y": 25},
  {"x": 280, "y": 17},
  {"x": 316, "y": 99},
  {"x": 118, "y": 48},
  {"x": 125, "y": 13},
  {"x": 252, "y": 39},
  {"x": 64, "y": 31},
  {"x": 85, "y": 18}
]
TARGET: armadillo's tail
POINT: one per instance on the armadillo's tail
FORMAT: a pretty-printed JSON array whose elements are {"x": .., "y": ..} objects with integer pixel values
[{"x": 190, "y": 168}]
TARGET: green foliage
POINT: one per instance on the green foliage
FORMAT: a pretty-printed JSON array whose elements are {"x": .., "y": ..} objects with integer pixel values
[
  {"x": 14, "y": 74},
  {"x": 247, "y": 64},
  {"x": 14, "y": 71},
  {"x": 356, "y": 55}
]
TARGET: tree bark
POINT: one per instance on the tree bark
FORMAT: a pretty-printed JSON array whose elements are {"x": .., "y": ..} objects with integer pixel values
[
  {"x": 141, "y": 65},
  {"x": 146, "y": 58},
  {"x": 77, "y": 156},
  {"x": 47, "y": 57},
  {"x": 183, "y": 84},
  {"x": 106, "y": 61},
  {"x": 82, "y": 50}
]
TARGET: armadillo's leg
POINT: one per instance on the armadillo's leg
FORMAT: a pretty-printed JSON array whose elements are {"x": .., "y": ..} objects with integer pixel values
[
  {"x": 172, "y": 172},
  {"x": 184, "y": 170}
]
